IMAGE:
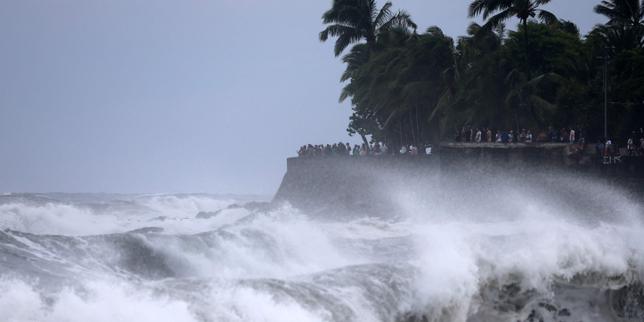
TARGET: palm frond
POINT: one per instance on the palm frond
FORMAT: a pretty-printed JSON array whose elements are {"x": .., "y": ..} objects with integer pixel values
[
  {"x": 548, "y": 17},
  {"x": 444, "y": 102},
  {"x": 541, "y": 2},
  {"x": 336, "y": 30},
  {"x": 605, "y": 8},
  {"x": 400, "y": 20},
  {"x": 498, "y": 19},
  {"x": 473, "y": 29},
  {"x": 476, "y": 8},
  {"x": 340, "y": 13},
  {"x": 486, "y": 8},
  {"x": 344, "y": 40},
  {"x": 384, "y": 15},
  {"x": 347, "y": 91},
  {"x": 541, "y": 104}
]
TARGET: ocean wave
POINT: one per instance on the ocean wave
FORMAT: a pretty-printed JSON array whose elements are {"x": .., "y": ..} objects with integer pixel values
[{"x": 535, "y": 258}]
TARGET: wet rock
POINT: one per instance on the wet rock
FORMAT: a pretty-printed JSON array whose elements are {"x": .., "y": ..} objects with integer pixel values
[
  {"x": 549, "y": 307},
  {"x": 413, "y": 318},
  {"x": 534, "y": 317},
  {"x": 564, "y": 312},
  {"x": 628, "y": 302}
]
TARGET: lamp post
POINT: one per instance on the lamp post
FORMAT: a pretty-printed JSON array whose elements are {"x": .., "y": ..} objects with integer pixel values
[{"x": 605, "y": 97}]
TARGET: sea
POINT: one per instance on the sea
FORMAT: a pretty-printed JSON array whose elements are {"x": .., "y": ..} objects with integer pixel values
[{"x": 568, "y": 250}]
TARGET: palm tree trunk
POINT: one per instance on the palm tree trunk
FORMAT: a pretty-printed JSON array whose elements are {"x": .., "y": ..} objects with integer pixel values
[
  {"x": 418, "y": 130},
  {"x": 411, "y": 128},
  {"x": 364, "y": 139},
  {"x": 402, "y": 141},
  {"x": 526, "y": 47}
]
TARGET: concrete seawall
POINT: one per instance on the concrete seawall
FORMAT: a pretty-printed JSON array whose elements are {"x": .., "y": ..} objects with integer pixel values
[
  {"x": 349, "y": 184},
  {"x": 364, "y": 184}
]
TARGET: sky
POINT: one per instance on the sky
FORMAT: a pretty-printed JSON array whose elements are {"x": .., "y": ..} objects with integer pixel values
[{"x": 173, "y": 96}]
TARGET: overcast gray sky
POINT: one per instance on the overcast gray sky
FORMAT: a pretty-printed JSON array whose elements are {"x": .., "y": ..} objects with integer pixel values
[{"x": 176, "y": 95}]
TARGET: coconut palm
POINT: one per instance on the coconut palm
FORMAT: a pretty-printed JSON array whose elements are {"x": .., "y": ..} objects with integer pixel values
[
  {"x": 351, "y": 21},
  {"x": 498, "y": 11},
  {"x": 475, "y": 83},
  {"x": 625, "y": 26},
  {"x": 622, "y": 12}
]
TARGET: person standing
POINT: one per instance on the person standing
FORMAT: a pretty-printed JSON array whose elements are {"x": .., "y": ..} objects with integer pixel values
[
  {"x": 630, "y": 146},
  {"x": 571, "y": 136},
  {"x": 364, "y": 151},
  {"x": 608, "y": 148},
  {"x": 376, "y": 149},
  {"x": 428, "y": 149}
]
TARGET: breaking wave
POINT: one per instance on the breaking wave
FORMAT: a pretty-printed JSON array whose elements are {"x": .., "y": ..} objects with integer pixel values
[{"x": 570, "y": 251}]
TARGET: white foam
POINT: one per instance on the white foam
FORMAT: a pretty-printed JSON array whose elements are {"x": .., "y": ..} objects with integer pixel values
[
  {"x": 456, "y": 245},
  {"x": 247, "y": 305},
  {"x": 99, "y": 301},
  {"x": 276, "y": 245},
  {"x": 176, "y": 214},
  {"x": 52, "y": 218}
]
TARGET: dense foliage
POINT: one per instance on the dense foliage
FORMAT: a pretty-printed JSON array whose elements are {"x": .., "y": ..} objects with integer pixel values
[{"x": 416, "y": 88}]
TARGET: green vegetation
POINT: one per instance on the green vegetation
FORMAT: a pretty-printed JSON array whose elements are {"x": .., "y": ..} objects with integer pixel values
[{"x": 416, "y": 88}]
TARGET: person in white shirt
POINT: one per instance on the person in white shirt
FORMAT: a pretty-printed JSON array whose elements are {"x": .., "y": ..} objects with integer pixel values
[
  {"x": 528, "y": 137},
  {"x": 572, "y": 136},
  {"x": 608, "y": 148}
]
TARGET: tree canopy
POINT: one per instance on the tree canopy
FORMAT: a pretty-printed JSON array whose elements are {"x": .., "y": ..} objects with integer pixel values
[{"x": 416, "y": 88}]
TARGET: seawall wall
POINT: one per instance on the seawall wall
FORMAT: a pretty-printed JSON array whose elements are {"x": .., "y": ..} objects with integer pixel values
[{"x": 365, "y": 184}]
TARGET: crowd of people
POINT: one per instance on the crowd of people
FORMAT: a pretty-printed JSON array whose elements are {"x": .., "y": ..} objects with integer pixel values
[
  {"x": 634, "y": 145},
  {"x": 373, "y": 149},
  {"x": 487, "y": 135},
  {"x": 611, "y": 153}
]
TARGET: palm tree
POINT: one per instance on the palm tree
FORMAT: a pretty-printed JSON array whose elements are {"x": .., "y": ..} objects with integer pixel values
[
  {"x": 352, "y": 21},
  {"x": 625, "y": 21},
  {"x": 622, "y": 12},
  {"x": 475, "y": 83},
  {"x": 498, "y": 11}
]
